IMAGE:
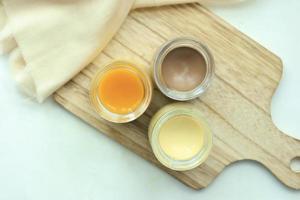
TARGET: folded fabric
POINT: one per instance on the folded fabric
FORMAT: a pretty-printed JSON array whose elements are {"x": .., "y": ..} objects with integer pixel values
[{"x": 50, "y": 41}]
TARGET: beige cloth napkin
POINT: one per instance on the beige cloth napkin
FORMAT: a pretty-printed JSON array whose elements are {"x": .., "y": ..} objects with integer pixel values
[{"x": 50, "y": 41}]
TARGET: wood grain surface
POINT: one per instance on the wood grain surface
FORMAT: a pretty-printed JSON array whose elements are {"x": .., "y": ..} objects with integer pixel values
[{"x": 237, "y": 105}]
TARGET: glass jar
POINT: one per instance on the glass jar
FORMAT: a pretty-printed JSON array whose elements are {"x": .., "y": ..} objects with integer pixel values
[
  {"x": 169, "y": 47},
  {"x": 103, "y": 110},
  {"x": 155, "y": 129}
]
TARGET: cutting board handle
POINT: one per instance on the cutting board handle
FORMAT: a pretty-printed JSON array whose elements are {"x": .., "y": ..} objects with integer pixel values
[{"x": 280, "y": 159}]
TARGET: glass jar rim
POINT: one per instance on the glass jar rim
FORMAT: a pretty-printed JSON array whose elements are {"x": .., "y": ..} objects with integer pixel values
[{"x": 169, "y": 46}]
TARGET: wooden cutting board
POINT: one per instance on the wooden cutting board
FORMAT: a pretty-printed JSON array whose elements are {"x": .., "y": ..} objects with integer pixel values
[{"x": 237, "y": 105}]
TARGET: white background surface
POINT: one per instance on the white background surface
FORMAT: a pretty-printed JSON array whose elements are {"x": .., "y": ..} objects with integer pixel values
[{"x": 46, "y": 153}]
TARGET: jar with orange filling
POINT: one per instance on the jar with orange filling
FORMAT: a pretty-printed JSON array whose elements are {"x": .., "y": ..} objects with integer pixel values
[{"x": 121, "y": 92}]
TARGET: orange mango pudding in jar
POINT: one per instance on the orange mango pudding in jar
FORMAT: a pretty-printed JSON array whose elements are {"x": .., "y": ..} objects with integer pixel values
[{"x": 121, "y": 92}]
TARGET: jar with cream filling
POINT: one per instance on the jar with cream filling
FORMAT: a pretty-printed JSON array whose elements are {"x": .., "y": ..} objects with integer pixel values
[
  {"x": 183, "y": 68},
  {"x": 180, "y": 137},
  {"x": 121, "y": 92}
]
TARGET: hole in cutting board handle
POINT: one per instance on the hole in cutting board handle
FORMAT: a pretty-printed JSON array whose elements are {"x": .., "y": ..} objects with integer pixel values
[{"x": 295, "y": 164}]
